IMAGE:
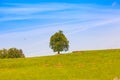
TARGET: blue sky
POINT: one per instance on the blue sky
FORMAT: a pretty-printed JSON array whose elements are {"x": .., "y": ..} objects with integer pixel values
[{"x": 88, "y": 24}]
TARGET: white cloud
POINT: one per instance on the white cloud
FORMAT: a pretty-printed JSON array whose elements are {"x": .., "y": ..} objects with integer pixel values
[
  {"x": 34, "y": 8},
  {"x": 55, "y": 11}
]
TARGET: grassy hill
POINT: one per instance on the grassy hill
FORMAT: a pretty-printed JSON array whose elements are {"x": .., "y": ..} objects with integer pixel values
[{"x": 84, "y": 65}]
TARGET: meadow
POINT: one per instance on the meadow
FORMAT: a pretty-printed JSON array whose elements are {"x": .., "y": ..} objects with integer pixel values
[{"x": 80, "y": 65}]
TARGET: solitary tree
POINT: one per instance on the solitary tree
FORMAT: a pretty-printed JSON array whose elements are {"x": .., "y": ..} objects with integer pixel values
[{"x": 58, "y": 42}]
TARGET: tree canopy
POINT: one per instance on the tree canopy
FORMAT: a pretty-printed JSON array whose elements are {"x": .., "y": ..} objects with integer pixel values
[
  {"x": 59, "y": 42},
  {"x": 11, "y": 53}
]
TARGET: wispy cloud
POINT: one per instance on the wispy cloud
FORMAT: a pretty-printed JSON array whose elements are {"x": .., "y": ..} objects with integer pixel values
[
  {"x": 53, "y": 11},
  {"x": 33, "y": 8},
  {"x": 114, "y": 4}
]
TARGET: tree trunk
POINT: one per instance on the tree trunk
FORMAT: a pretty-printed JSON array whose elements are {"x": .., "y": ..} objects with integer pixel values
[{"x": 58, "y": 52}]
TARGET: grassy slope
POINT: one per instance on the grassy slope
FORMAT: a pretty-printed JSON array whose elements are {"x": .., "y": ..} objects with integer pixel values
[{"x": 86, "y": 65}]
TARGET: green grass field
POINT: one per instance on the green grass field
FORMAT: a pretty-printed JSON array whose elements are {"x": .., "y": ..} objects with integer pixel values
[{"x": 84, "y": 65}]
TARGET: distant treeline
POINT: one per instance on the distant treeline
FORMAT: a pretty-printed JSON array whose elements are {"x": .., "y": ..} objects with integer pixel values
[{"x": 11, "y": 53}]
